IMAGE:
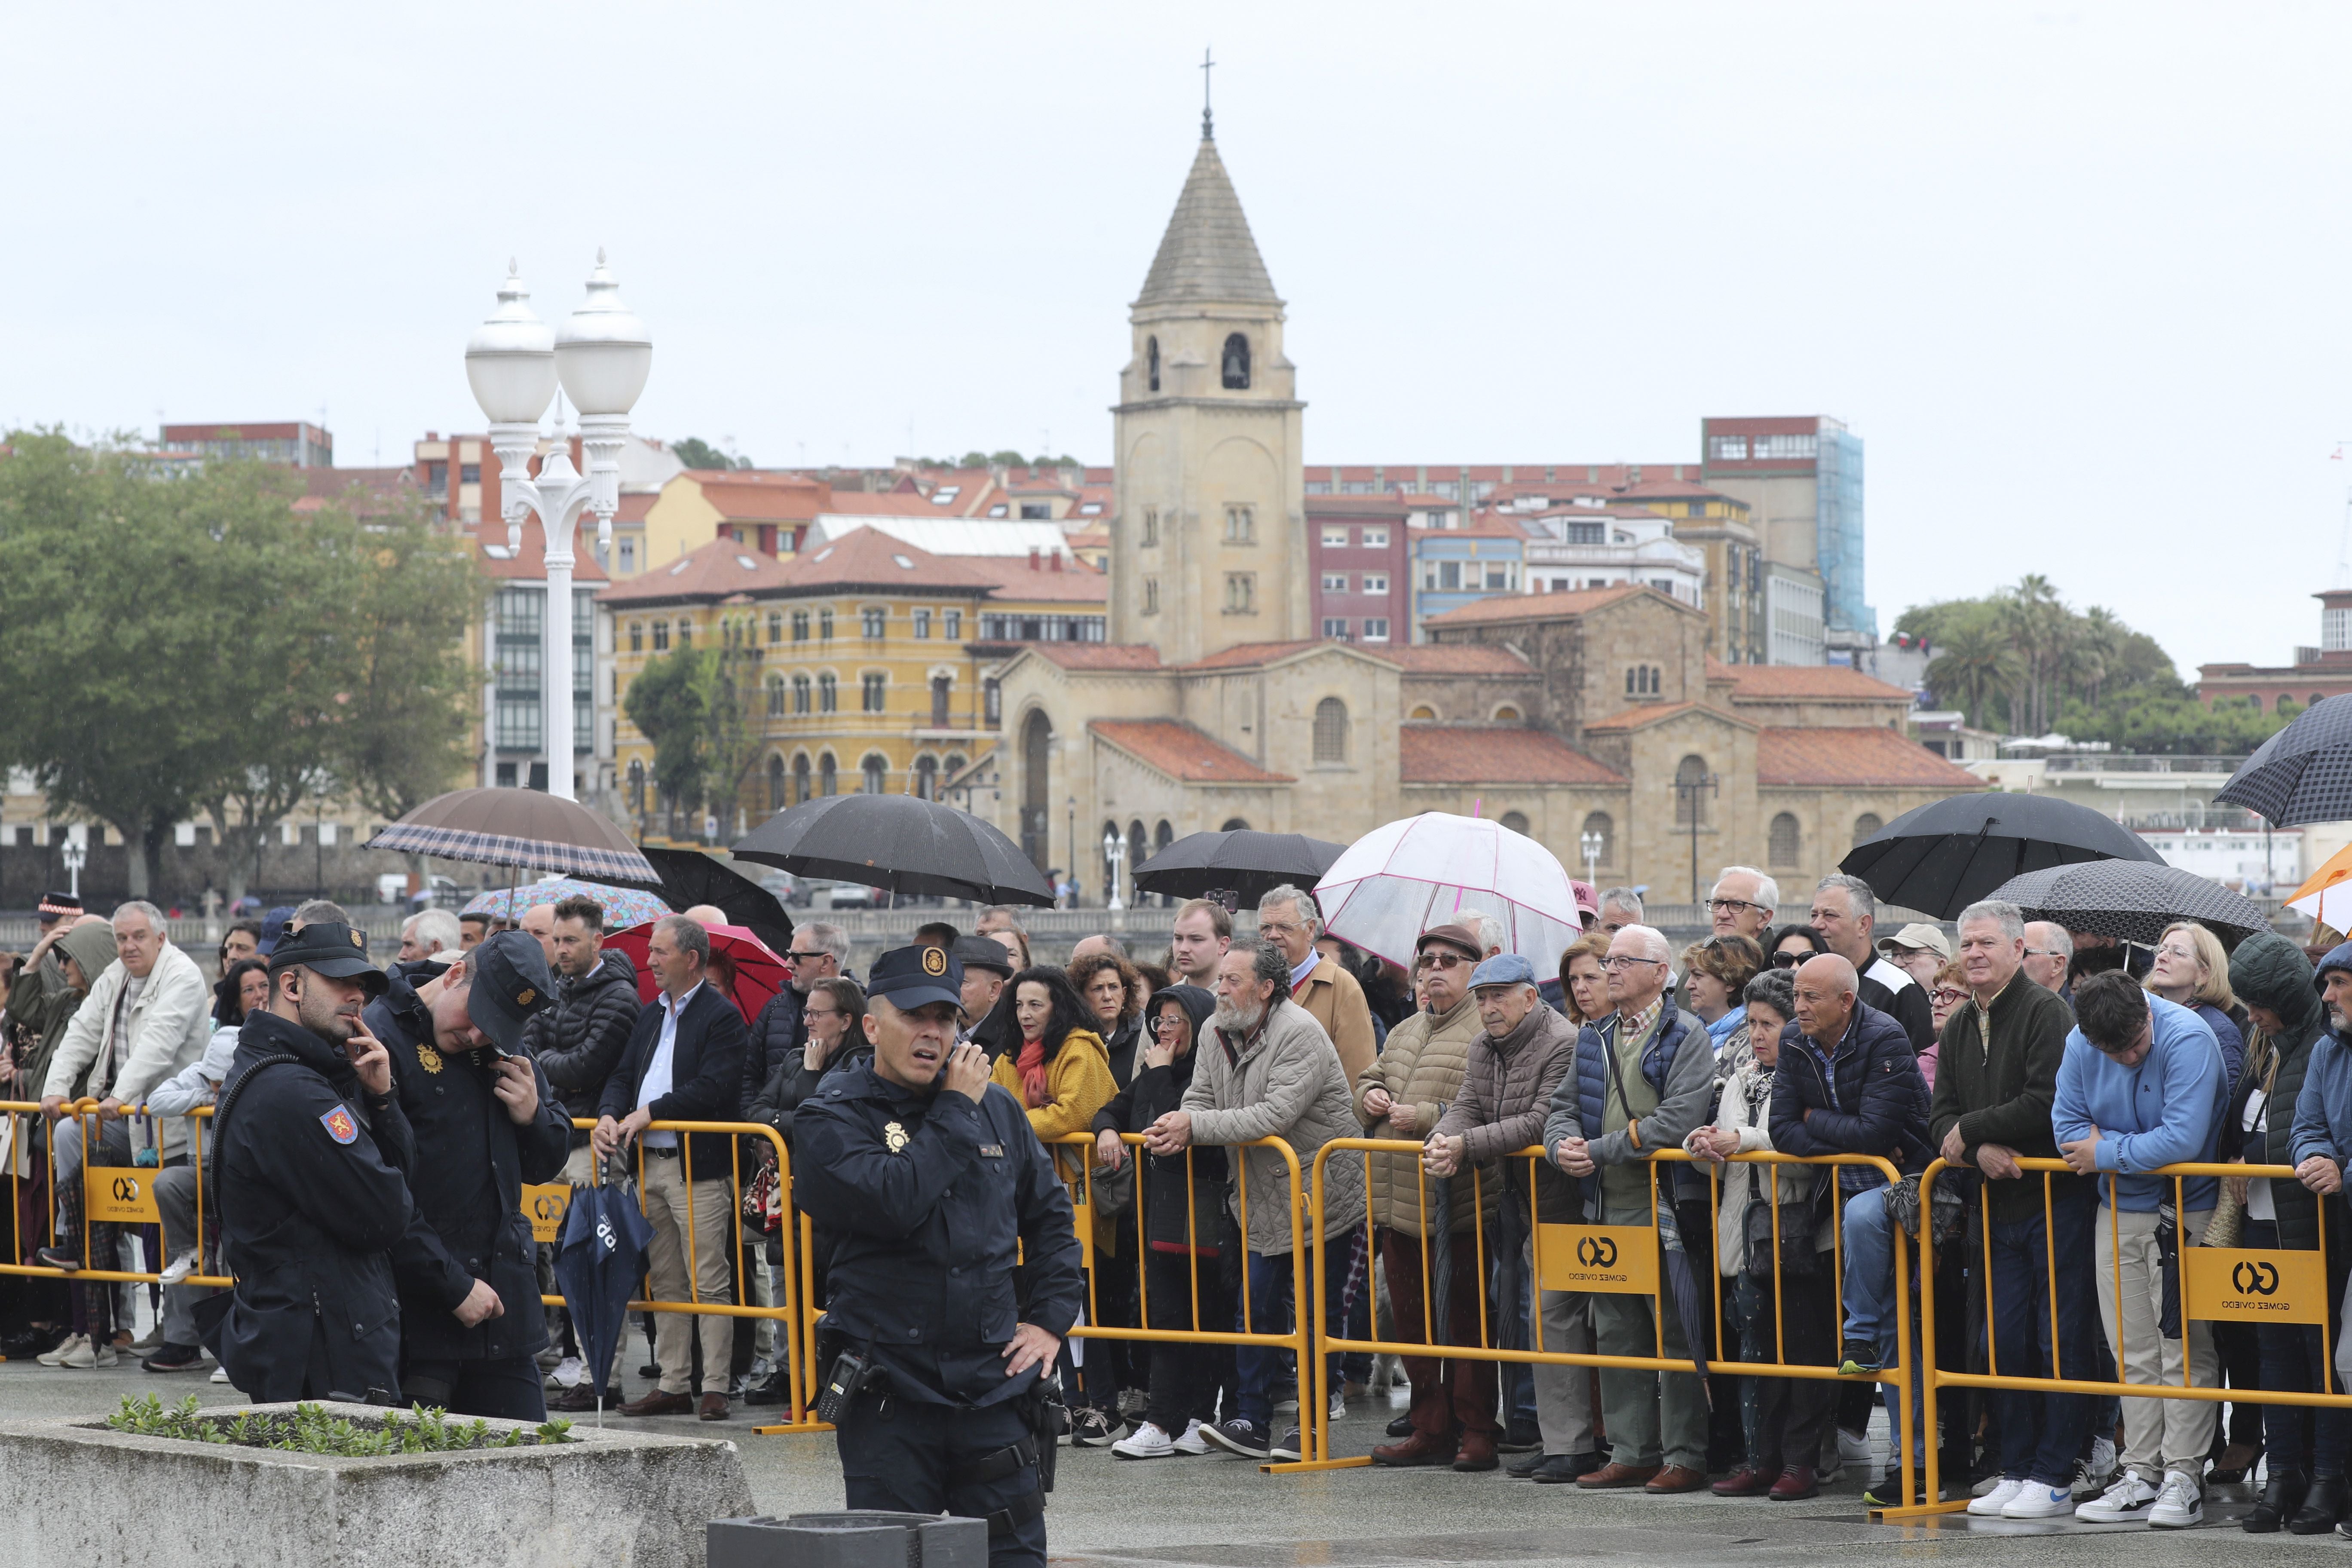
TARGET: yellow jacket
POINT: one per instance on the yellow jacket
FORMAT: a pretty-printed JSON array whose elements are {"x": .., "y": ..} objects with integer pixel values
[{"x": 1078, "y": 1083}]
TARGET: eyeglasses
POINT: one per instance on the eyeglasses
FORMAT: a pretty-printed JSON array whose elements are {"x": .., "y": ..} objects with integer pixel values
[
  {"x": 799, "y": 957},
  {"x": 1723, "y": 906},
  {"x": 823, "y": 1013},
  {"x": 1621, "y": 964},
  {"x": 1439, "y": 961},
  {"x": 1168, "y": 1021},
  {"x": 2186, "y": 955},
  {"x": 1947, "y": 993}
]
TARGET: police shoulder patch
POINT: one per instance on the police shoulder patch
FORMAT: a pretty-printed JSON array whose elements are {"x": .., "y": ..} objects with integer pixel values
[{"x": 340, "y": 1125}]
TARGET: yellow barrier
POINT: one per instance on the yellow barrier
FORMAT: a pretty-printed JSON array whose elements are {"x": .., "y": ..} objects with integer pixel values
[{"x": 2219, "y": 1284}]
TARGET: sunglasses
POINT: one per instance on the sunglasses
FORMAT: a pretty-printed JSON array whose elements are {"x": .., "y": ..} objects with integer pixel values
[
  {"x": 1439, "y": 961},
  {"x": 1791, "y": 960}
]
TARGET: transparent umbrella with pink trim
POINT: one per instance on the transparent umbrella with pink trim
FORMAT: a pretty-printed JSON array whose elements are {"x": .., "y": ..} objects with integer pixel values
[{"x": 1400, "y": 880}]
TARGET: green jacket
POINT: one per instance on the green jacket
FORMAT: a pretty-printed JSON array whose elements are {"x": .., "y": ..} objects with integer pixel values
[
  {"x": 2269, "y": 970},
  {"x": 40, "y": 1003},
  {"x": 2003, "y": 1094}
]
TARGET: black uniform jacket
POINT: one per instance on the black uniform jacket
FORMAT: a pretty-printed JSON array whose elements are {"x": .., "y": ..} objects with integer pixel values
[
  {"x": 471, "y": 1163},
  {"x": 931, "y": 1200},
  {"x": 313, "y": 1193},
  {"x": 706, "y": 1075}
]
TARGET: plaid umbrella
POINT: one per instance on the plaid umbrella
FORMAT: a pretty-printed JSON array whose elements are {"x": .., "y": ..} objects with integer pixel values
[
  {"x": 2130, "y": 900},
  {"x": 623, "y": 906},
  {"x": 2303, "y": 773},
  {"x": 527, "y": 828}
]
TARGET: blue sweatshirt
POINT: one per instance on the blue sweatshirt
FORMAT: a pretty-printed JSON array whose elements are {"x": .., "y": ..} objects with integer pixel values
[
  {"x": 2323, "y": 1112},
  {"x": 2165, "y": 1111}
]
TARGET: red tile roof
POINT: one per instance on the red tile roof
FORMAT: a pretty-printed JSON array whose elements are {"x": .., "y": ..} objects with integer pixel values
[
  {"x": 529, "y": 563},
  {"x": 1097, "y": 655},
  {"x": 716, "y": 570},
  {"x": 745, "y": 495},
  {"x": 1445, "y": 754},
  {"x": 1540, "y": 607},
  {"x": 1649, "y": 713},
  {"x": 1820, "y": 682},
  {"x": 1455, "y": 658},
  {"x": 881, "y": 503},
  {"x": 870, "y": 558},
  {"x": 1182, "y": 752},
  {"x": 1858, "y": 756},
  {"x": 1012, "y": 581},
  {"x": 1249, "y": 654}
]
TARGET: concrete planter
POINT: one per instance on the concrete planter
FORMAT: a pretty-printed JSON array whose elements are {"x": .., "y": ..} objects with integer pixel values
[{"x": 79, "y": 1494}]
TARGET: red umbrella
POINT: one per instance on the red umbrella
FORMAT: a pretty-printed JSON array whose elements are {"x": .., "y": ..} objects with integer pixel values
[{"x": 744, "y": 969}]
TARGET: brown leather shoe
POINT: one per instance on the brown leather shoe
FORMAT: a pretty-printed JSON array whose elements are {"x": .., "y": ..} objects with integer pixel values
[
  {"x": 714, "y": 1406},
  {"x": 660, "y": 1404},
  {"x": 1477, "y": 1452},
  {"x": 1795, "y": 1485},
  {"x": 1676, "y": 1478},
  {"x": 1613, "y": 1476},
  {"x": 1421, "y": 1448}
]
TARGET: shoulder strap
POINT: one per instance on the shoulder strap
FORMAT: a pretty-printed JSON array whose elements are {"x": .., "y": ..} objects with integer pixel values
[{"x": 220, "y": 1122}]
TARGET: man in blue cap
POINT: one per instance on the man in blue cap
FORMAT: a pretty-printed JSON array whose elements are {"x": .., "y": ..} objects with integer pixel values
[
  {"x": 485, "y": 1122},
  {"x": 934, "y": 1187}
]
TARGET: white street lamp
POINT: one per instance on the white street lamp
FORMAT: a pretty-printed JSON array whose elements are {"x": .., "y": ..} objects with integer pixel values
[
  {"x": 1590, "y": 844},
  {"x": 1114, "y": 849},
  {"x": 602, "y": 356}
]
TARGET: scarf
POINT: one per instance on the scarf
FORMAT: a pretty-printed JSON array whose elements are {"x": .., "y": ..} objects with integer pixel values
[{"x": 1031, "y": 1063}]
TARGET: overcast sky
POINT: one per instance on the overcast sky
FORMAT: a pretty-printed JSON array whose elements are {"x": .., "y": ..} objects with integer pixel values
[{"x": 2074, "y": 273}]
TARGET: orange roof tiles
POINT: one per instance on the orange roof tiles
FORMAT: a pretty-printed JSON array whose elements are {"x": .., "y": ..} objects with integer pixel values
[
  {"x": 1249, "y": 654},
  {"x": 1013, "y": 580},
  {"x": 1648, "y": 714},
  {"x": 744, "y": 495},
  {"x": 1859, "y": 756},
  {"x": 1824, "y": 682},
  {"x": 1182, "y": 752},
  {"x": 1539, "y": 606},
  {"x": 1444, "y": 753},
  {"x": 870, "y": 558},
  {"x": 1097, "y": 655},
  {"x": 1455, "y": 658}
]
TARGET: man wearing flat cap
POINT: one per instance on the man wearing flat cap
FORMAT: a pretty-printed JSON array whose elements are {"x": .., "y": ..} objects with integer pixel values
[
  {"x": 485, "y": 1122},
  {"x": 987, "y": 966},
  {"x": 933, "y": 1187},
  {"x": 311, "y": 1154}
]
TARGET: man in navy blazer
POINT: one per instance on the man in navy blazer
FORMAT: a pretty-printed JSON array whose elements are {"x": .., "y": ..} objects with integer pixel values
[{"x": 685, "y": 1063}]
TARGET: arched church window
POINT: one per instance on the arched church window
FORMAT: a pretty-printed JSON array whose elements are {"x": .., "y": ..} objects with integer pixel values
[
  {"x": 1781, "y": 844},
  {"x": 1517, "y": 821},
  {"x": 1330, "y": 731},
  {"x": 1237, "y": 360},
  {"x": 1865, "y": 825},
  {"x": 1151, "y": 362}
]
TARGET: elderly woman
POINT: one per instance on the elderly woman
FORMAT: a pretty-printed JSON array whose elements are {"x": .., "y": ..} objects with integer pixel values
[
  {"x": 1782, "y": 1418},
  {"x": 2191, "y": 969},
  {"x": 1719, "y": 969},
  {"x": 1113, "y": 991}
]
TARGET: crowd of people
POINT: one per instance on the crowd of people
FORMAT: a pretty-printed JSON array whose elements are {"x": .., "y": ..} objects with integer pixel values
[{"x": 2049, "y": 1070}]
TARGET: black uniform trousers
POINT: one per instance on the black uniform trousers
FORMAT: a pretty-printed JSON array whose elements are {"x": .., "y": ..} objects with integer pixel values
[
  {"x": 510, "y": 1388},
  {"x": 901, "y": 1455}
]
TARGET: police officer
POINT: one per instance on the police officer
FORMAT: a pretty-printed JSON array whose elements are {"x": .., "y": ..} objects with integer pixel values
[
  {"x": 311, "y": 1154},
  {"x": 485, "y": 1122},
  {"x": 931, "y": 1183}
]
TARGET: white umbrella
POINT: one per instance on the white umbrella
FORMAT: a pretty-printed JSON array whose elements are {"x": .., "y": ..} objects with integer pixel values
[{"x": 1400, "y": 880}]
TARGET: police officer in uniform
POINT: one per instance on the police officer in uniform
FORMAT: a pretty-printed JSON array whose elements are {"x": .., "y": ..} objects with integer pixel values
[
  {"x": 485, "y": 1122},
  {"x": 310, "y": 1158},
  {"x": 932, "y": 1184}
]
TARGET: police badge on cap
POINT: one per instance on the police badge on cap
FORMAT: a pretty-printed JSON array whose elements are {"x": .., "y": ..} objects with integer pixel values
[{"x": 912, "y": 977}]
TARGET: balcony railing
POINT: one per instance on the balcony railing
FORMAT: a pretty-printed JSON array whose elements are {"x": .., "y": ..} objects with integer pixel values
[{"x": 2112, "y": 764}]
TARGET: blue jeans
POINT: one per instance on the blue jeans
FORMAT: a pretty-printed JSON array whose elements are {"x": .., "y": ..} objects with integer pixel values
[
  {"x": 2041, "y": 1433},
  {"x": 1869, "y": 1242},
  {"x": 1269, "y": 1287}
]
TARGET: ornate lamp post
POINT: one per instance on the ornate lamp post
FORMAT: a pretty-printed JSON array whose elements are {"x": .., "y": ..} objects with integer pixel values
[
  {"x": 1590, "y": 844},
  {"x": 1114, "y": 858},
  {"x": 513, "y": 361}
]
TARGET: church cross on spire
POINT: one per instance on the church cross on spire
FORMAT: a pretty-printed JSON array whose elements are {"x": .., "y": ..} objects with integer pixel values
[{"x": 1208, "y": 123}]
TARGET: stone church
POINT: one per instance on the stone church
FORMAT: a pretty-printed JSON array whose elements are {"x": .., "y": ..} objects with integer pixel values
[{"x": 1594, "y": 722}]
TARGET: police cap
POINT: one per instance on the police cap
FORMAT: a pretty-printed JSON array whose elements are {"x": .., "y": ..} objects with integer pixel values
[
  {"x": 912, "y": 977},
  {"x": 334, "y": 949},
  {"x": 511, "y": 982}
]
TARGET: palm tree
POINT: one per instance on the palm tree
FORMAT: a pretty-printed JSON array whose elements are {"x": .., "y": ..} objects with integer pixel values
[
  {"x": 1976, "y": 662},
  {"x": 2102, "y": 638}
]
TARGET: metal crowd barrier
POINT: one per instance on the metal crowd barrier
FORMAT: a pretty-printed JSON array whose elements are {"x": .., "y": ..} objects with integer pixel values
[
  {"x": 2246, "y": 1285},
  {"x": 1304, "y": 1339}
]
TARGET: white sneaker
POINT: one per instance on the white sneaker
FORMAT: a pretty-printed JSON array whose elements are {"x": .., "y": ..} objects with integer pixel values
[
  {"x": 2127, "y": 1499},
  {"x": 1853, "y": 1446},
  {"x": 83, "y": 1357},
  {"x": 2093, "y": 1475},
  {"x": 1191, "y": 1442},
  {"x": 180, "y": 1268},
  {"x": 1339, "y": 1406},
  {"x": 570, "y": 1370},
  {"x": 1146, "y": 1442},
  {"x": 2181, "y": 1503},
  {"x": 1989, "y": 1505},
  {"x": 220, "y": 1374},
  {"x": 2037, "y": 1499},
  {"x": 66, "y": 1347}
]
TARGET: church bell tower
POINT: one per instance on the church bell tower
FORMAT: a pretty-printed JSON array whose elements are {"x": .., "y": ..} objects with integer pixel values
[{"x": 1209, "y": 543}]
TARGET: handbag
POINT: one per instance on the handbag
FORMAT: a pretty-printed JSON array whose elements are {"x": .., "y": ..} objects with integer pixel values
[{"x": 763, "y": 1201}]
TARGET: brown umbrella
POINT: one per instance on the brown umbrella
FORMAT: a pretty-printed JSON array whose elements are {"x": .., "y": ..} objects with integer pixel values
[{"x": 519, "y": 827}]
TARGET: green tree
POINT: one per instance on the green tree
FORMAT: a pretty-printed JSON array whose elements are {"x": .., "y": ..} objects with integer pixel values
[
  {"x": 697, "y": 453},
  {"x": 1974, "y": 666},
  {"x": 669, "y": 701},
  {"x": 1008, "y": 455},
  {"x": 974, "y": 459}
]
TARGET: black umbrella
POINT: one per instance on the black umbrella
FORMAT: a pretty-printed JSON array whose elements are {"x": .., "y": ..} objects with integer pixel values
[
  {"x": 2131, "y": 900},
  {"x": 2303, "y": 773},
  {"x": 1943, "y": 856},
  {"x": 688, "y": 876},
  {"x": 902, "y": 842},
  {"x": 1242, "y": 861},
  {"x": 598, "y": 1262}
]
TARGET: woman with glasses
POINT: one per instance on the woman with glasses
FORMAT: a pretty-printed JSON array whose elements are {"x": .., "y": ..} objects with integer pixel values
[
  {"x": 834, "y": 1012},
  {"x": 1944, "y": 994},
  {"x": 2191, "y": 969},
  {"x": 1719, "y": 969},
  {"x": 1792, "y": 944}
]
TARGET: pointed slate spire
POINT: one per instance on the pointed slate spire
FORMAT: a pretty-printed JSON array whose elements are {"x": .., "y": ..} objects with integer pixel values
[{"x": 1207, "y": 254}]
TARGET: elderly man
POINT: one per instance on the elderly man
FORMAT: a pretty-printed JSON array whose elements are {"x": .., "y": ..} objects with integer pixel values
[
  {"x": 1620, "y": 908},
  {"x": 2049, "y": 949},
  {"x": 1266, "y": 1069},
  {"x": 1851, "y": 1085},
  {"x": 539, "y": 920},
  {"x": 147, "y": 1017},
  {"x": 1203, "y": 931},
  {"x": 819, "y": 951},
  {"x": 1088, "y": 946},
  {"x": 1402, "y": 1095},
  {"x": 1996, "y": 1077},
  {"x": 1742, "y": 903},
  {"x": 1520, "y": 1057},
  {"x": 429, "y": 934},
  {"x": 1644, "y": 1076},
  {"x": 2141, "y": 1086},
  {"x": 1287, "y": 918},
  {"x": 986, "y": 969},
  {"x": 1920, "y": 951},
  {"x": 1844, "y": 913}
]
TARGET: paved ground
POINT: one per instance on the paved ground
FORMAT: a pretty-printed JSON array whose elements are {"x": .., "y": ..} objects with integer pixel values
[{"x": 1223, "y": 1513}]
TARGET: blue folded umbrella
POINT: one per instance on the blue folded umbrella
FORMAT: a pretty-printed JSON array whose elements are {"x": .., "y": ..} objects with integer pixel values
[{"x": 598, "y": 1262}]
